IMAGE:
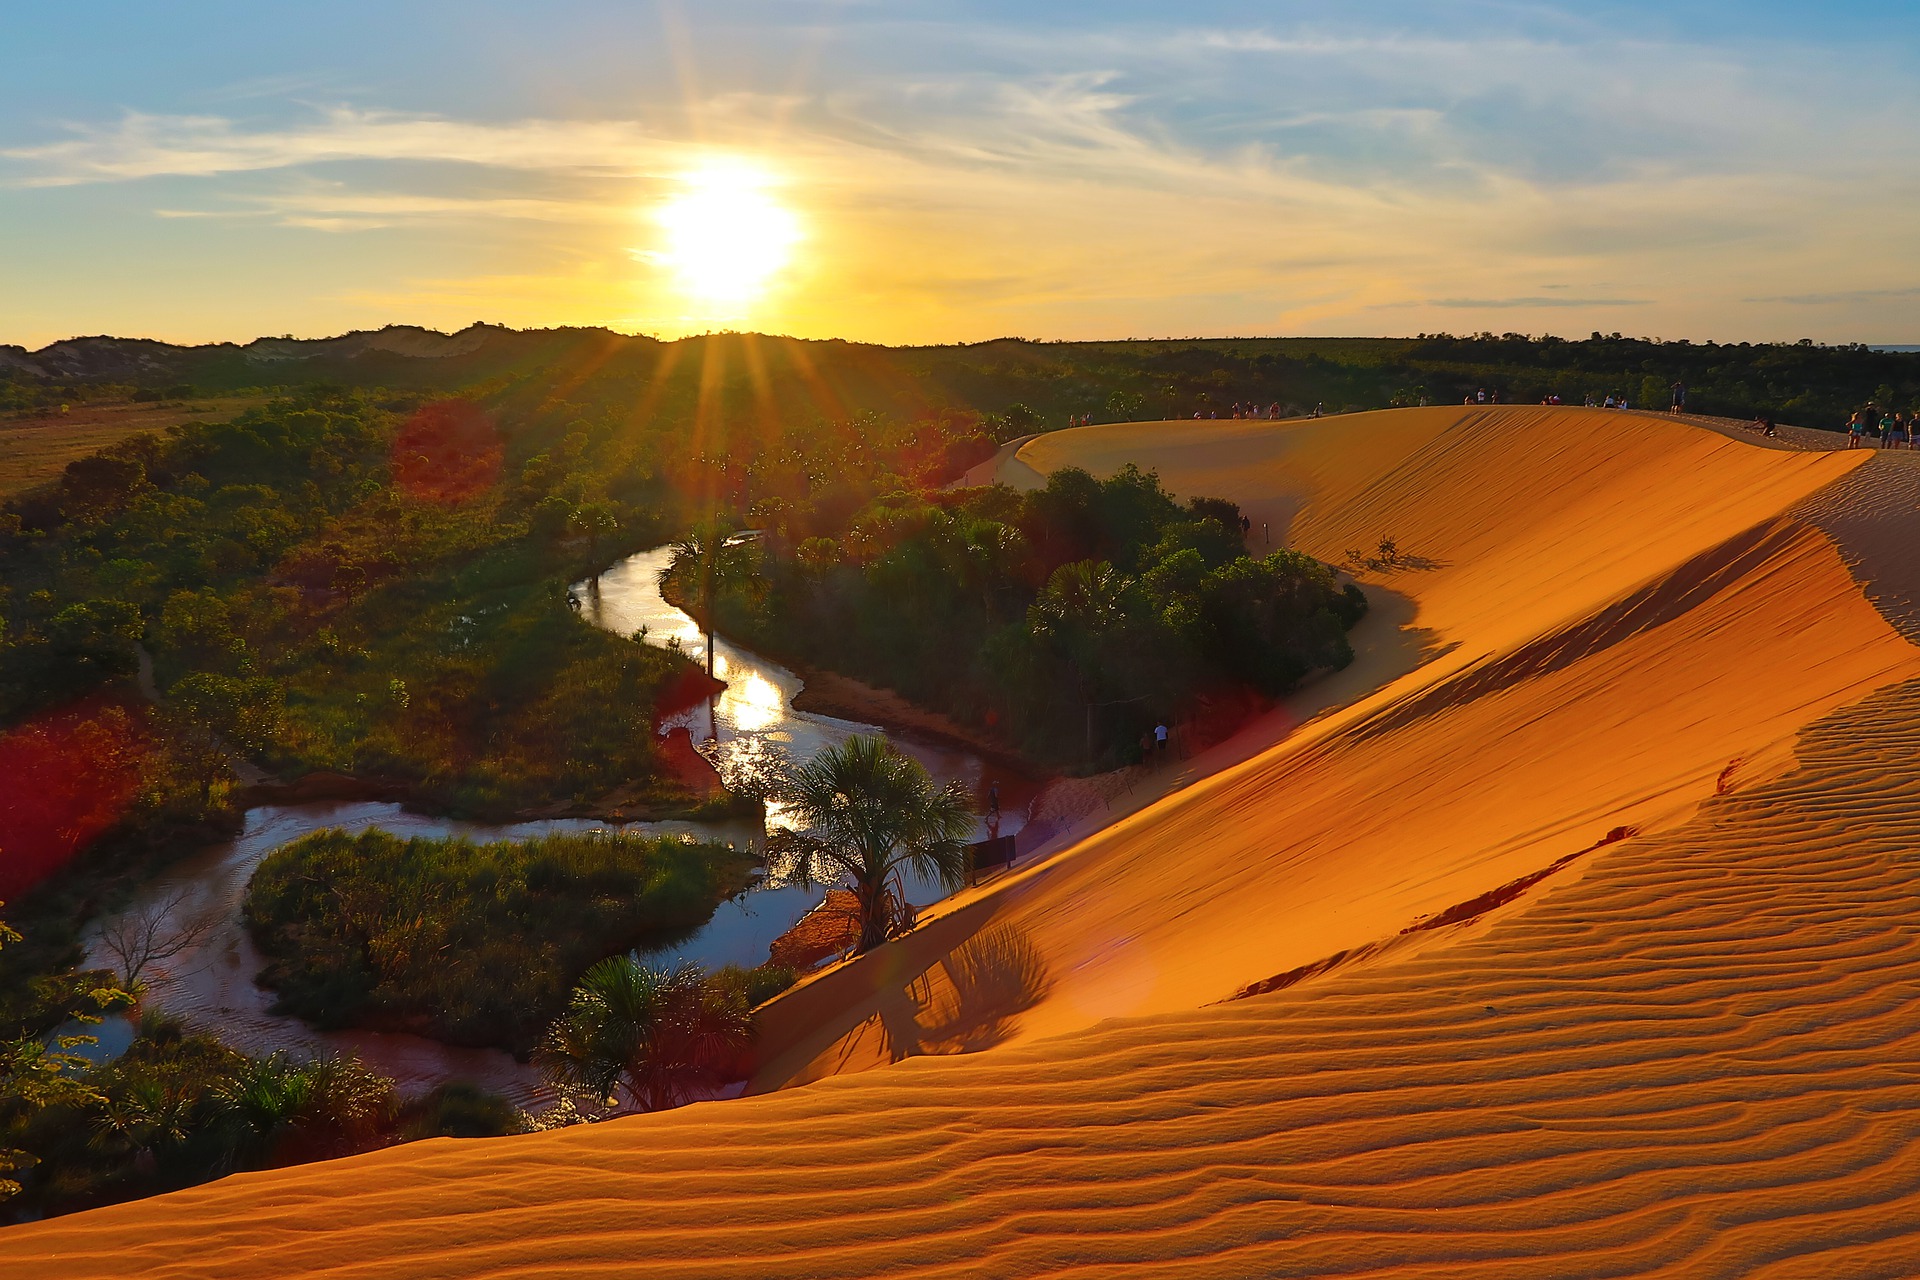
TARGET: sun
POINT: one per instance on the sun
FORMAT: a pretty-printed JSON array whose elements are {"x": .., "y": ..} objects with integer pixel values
[{"x": 725, "y": 236}]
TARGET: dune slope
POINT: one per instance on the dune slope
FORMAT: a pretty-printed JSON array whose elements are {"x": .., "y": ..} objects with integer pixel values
[
  {"x": 1624, "y": 628},
  {"x": 1590, "y": 948}
]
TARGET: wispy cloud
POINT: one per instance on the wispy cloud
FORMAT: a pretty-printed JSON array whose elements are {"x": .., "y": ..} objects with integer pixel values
[
  {"x": 1503, "y": 304},
  {"x": 1841, "y": 298},
  {"x": 146, "y": 146}
]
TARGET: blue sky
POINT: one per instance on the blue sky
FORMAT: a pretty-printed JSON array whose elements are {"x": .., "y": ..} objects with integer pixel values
[{"x": 211, "y": 170}]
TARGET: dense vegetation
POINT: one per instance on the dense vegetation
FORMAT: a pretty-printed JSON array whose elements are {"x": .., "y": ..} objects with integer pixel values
[
  {"x": 341, "y": 582},
  {"x": 177, "y": 1108},
  {"x": 474, "y": 944},
  {"x": 1072, "y": 618}
]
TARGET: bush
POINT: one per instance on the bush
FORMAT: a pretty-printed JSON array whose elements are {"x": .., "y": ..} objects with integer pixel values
[
  {"x": 758, "y": 985},
  {"x": 459, "y": 1109},
  {"x": 474, "y": 944}
]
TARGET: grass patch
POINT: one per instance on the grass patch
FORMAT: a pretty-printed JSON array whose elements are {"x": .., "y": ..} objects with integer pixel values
[
  {"x": 472, "y": 944},
  {"x": 35, "y": 449}
]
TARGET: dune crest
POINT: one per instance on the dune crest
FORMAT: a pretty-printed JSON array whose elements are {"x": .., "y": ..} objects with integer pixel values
[
  {"x": 1588, "y": 947},
  {"x": 1625, "y": 621}
]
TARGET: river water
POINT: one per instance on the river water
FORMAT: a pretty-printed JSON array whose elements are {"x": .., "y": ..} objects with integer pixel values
[{"x": 212, "y": 984}]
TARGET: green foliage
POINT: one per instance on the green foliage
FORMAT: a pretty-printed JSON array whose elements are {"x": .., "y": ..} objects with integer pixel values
[
  {"x": 864, "y": 813},
  {"x": 210, "y": 714},
  {"x": 758, "y": 985},
  {"x": 664, "y": 1037},
  {"x": 41, "y": 1068},
  {"x": 308, "y": 610},
  {"x": 178, "y": 1108},
  {"x": 458, "y": 1109},
  {"x": 470, "y": 943},
  {"x": 1070, "y": 618}
]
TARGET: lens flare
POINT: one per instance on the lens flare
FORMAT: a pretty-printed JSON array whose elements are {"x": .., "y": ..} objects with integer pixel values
[{"x": 725, "y": 235}]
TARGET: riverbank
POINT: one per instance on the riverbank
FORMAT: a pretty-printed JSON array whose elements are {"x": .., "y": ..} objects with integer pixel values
[
  {"x": 829, "y": 693},
  {"x": 704, "y": 798}
]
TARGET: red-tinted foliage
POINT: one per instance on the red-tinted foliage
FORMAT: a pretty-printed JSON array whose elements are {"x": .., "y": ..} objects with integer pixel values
[
  {"x": 65, "y": 777},
  {"x": 448, "y": 451},
  {"x": 684, "y": 692}
]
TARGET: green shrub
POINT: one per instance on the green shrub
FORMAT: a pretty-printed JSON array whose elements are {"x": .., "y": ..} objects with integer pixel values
[
  {"x": 474, "y": 944},
  {"x": 460, "y": 1109},
  {"x": 758, "y": 985}
]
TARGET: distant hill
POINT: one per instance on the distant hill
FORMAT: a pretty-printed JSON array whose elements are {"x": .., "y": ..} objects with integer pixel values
[{"x": 1802, "y": 383}]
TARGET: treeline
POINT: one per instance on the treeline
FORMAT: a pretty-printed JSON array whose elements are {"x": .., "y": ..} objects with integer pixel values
[
  {"x": 730, "y": 395},
  {"x": 1070, "y": 619}
]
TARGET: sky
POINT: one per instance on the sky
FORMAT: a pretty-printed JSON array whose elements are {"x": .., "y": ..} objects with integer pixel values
[{"x": 939, "y": 172}]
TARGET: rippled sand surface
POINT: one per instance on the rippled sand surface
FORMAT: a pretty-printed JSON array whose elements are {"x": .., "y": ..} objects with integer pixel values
[{"x": 1665, "y": 666}]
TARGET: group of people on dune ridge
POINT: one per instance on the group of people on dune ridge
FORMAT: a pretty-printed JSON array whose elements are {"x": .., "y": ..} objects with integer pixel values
[
  {"x": 1871, "y": 427},
  {"x": 1253, "y": 410}
]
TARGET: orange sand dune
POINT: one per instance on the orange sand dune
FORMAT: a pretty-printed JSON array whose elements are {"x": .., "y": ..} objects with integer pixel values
[
  {"x": 1605, "y": 590},
  {"x": 1694, "y": 1050}
]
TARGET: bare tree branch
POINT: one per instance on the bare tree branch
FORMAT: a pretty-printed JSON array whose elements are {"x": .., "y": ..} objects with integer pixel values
[{"x": 140, "y": 940}]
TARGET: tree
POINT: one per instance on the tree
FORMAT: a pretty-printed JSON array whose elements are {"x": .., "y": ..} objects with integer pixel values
[
  {"x": 139, "y": 940},
  {"x": 708, "y": 560},
  {"x": 38, "y": 1072},
  {"x": 595, "y": 520},
  {"x": 211, "y": 714},
  {"x": 865, "y": 813},
  {"x": 98, "y": 636},
  {"x": 665, "y": 1036}
]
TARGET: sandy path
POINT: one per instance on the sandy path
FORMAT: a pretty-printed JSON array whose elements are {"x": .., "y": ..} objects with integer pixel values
[{"x": 1694, "y": 1051}]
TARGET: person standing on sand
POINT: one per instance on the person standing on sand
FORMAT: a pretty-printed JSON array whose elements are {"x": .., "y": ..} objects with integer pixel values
[
  {"x": 1160, "y": 739},
  {"x": 1856, "y": 428},
  {"x": 1679, "y": 404}
]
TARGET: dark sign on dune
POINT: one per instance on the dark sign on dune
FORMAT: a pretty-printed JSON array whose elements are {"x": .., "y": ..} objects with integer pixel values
[{"x": 990, "y": 854}]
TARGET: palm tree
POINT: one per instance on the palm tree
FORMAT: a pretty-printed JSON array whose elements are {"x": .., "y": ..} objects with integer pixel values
[
  {"x": 708, "y": 560},
  {"x": 865, "y": 812},
  {"x": 665, "y": 1035}
]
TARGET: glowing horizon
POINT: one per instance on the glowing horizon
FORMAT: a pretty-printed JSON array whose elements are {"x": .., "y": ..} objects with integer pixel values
[{"x": 821, "y": 170}]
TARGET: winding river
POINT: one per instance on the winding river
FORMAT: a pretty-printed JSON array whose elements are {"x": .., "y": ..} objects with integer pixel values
[{"x": 212, "y": 984}]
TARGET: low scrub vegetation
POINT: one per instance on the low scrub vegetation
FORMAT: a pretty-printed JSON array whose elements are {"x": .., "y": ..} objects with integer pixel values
[
  {"x": 473, "y": 944},
  {"x": 81, "y": 1127}
]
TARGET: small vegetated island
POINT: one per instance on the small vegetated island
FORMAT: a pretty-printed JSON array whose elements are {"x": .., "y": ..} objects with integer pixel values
[
  {"x": 473, "y": 944},
  {"x": 1070, "y": 620}
]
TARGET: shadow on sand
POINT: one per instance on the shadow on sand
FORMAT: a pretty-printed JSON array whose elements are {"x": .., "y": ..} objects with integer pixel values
[{"x": 971, "y": 1000}]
